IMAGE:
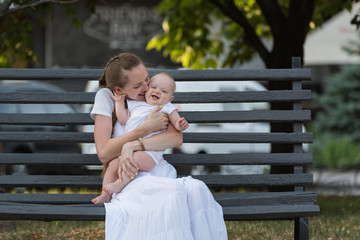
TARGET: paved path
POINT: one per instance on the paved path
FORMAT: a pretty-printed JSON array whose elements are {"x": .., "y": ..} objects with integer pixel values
[{"x": 337, "y": 182}]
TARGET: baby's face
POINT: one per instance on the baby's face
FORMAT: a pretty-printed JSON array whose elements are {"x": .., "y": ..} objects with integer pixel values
[{"x": 161, "y": 90}]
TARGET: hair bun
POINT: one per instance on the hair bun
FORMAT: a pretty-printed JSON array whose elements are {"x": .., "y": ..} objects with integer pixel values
[{"x": 102, "y": 81}]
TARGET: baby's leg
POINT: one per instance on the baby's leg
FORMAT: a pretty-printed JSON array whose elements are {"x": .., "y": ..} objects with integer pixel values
[
  {"x": 145, "y": 163},
  {"x": 109, "y": 177}
]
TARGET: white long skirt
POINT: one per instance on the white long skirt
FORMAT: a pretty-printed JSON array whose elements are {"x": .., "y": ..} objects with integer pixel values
[{"x": 164, "y": 208}]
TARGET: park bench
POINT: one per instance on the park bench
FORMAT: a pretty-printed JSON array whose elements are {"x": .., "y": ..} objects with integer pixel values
[{"x": 295, "y": 203}]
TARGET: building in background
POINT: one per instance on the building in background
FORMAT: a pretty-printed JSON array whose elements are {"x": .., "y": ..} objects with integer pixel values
[
  {"x": 120, "y": 26},
  {"x": 114, "y": 27},
  {"x": 323, "y": 49}
]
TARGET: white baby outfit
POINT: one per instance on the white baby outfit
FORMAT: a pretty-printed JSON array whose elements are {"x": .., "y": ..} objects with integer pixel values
[{"x": 139, "y": 111}]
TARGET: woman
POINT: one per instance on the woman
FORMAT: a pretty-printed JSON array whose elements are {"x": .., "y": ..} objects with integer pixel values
[{"x": 154, "y": 205}]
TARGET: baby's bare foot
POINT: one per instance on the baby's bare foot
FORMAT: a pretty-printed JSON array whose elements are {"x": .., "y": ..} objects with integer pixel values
[
  {"x": 103, "y": 198},
  {"x": 114, "y": 187}
]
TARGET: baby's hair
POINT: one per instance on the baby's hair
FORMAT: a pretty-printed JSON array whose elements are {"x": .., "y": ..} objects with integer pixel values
[{"x": 168, "y": 75}]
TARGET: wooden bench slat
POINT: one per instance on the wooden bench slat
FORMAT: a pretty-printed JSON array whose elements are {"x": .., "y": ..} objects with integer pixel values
[
  {"x": 247, "y": 137},
  {"x": 44, "y": 97},
  {"x": 54, "y": 137},
  {"x": 49, "y": 158},
  {"x": 224, "y": 199},
  {"x": 245, "y": 96},
  {"x": 240, "y": 159},
  {"x": 176, "y": 159},
  {"x": 183, "y": 75},
  {"x": 248, "y": 116},
  {"x": 44, "y": 212},
  {"x": 269, "y": 213},
  {"x": 83, "y": 137},
  {"x": 53, "y": 119},
  {"x": 180, "y": 97},
  {"x": 192, "y": 117},
  {"x": 97, "y": 213},
  {"x": 211, "y": 180},
  {"x": 257, "y": 180},
  {"x": 50, "y": 74},
  {"x": 264, "y": 198}
]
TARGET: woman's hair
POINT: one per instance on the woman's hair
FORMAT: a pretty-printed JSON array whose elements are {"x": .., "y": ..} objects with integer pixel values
[{"x": 114, "y": 73}]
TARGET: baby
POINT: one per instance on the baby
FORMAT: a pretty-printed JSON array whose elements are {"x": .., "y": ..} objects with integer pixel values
[{"x": 160, "y": 93}]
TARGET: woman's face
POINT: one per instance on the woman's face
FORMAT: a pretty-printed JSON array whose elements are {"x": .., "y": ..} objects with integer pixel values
[{"x": 138, "y": 83}]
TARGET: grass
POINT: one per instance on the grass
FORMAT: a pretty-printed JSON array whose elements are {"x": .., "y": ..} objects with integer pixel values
[{"x": 339, "y": 219}]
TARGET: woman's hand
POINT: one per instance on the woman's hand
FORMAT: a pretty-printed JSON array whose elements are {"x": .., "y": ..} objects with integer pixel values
[
  {"x": 156, "y": 121},
  {"x": 127, "y": 164}
]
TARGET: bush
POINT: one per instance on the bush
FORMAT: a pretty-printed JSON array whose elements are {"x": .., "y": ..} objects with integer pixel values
[
  {"x": 341, "y": 104},
  {"x": 335, "y": 152}
]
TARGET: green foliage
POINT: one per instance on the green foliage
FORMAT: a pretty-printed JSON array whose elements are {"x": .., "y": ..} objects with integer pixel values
[
  {"x": 198, "y": 42},
  {"x": 189, "y": 52},
  {"x": 335, "y": 152},
  {"x": 325, "y": 9},
  {"x": 16, "y": 40},
  {"x": 341, "y": 104},
  {"x": 198, "y": 34}
]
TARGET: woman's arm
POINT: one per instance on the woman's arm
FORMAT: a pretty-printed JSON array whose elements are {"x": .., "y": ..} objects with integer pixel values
[
  {"x": 109, "y": 148},
  {"x": 168, "y": 139}
]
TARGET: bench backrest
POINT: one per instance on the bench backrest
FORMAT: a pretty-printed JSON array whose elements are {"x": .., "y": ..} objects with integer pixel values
[{"x": 298, "y": 159}]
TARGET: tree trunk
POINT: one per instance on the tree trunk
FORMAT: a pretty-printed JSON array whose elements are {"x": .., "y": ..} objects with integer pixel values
[{"x": 285, "y": 47}]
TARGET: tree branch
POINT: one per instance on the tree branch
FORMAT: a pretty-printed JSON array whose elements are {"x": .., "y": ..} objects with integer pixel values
[
  {"x": 4, "y": 6},
  {"x": 230, "y": 10},
  {"x": 34, "y": 5}
]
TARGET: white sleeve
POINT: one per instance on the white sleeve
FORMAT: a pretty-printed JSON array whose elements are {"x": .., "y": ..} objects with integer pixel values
[
  {"x": 168, "y": 108},
  {"x": 103, "y": 103},
  {"x": 131, "y": 104}
]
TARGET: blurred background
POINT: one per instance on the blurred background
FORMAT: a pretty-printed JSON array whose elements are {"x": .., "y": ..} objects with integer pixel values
[{"x": 210, "y": 34}]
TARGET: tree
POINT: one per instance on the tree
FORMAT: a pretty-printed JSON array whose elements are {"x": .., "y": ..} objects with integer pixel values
[
  {"x": 274, "y": 29},
  {"x": 16, "y": 17},
  {"x": 341, "y": 104},
  {"x": 189, "y": 36}
]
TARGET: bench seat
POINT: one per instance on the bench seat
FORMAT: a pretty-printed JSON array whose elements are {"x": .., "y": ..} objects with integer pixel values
[
  {"x": 245, "y": 196},
  {"x": 236, "y": 206}
]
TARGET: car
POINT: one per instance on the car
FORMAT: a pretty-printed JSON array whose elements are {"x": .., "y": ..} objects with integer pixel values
[
  {"x": 42, "y": 147},
  {"x": 204, "y": 148}
]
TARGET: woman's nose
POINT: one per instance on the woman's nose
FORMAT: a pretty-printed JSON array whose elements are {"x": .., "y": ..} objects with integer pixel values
[{"x": 146, "y": 87}]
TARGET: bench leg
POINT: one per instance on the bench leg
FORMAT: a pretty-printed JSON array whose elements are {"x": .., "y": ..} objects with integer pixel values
[{"x": 301, "y": 229}]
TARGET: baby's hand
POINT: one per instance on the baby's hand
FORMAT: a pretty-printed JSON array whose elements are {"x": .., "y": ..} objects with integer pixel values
[
  {"x": 118, "y": 97},
  {"x": 181, "y": 124}
]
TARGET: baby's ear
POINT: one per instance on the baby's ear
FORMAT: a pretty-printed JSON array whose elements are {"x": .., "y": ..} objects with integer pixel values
[{"x": 172, "y": 98}]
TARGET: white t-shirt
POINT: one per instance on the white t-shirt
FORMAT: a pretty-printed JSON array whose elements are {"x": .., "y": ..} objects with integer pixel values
[{"x": 104, "y": 105}]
